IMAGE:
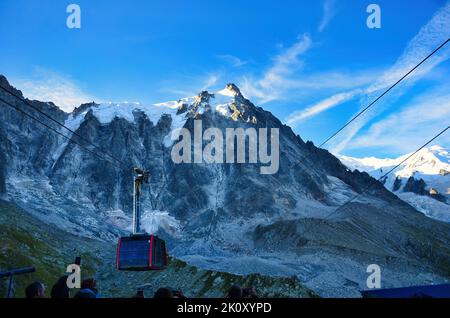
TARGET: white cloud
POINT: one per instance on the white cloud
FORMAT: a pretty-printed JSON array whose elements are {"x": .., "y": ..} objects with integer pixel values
[
  {"x": 284, "y": 81},
  {"x": 413, "y": 126},
  {"x": 232, "y": 60},
  {"x": 185, "y": 86},
  {"x": 430, "y": 36},
  {"x": 286, "y": 63},
  {"x": 45, "y": 85},
  {"x": 321, "y": 106},
  {"x": 335, "y": 79},
  {"x": 352, "y": 81},
  {"x": 277, "y": 79},
  {"x": 328, "y": 14},
  {"x": 210, "y": 81}
]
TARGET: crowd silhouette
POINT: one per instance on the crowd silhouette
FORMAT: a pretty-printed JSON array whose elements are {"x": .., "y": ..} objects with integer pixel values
[{"x": 89, "y": 290}]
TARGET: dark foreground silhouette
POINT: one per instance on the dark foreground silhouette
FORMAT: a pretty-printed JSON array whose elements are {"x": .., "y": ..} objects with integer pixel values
[{"x": 89, "y": 290}]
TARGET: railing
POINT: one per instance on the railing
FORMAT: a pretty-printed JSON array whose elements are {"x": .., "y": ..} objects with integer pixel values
[{"x": 14, "y": 272}]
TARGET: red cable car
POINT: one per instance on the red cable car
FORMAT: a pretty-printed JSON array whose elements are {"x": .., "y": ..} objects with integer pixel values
[{"x": 140, "y": 251}]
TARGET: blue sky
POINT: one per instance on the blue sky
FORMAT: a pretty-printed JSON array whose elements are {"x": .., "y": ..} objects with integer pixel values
[{"x": 313, "y": 64}]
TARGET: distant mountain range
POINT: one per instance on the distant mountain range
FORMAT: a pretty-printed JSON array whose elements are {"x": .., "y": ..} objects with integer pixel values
[
  {"x": 223, "y": 217},
  {"x": 423, "y": 181}
]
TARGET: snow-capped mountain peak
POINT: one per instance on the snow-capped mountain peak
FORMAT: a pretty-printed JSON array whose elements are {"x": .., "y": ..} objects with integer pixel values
[
  {"x": 434, "y": 160},
  {"x": 420, "y": 180},
  {"x": 228, "y": 102},
  {"x": 230, "y": 90}
]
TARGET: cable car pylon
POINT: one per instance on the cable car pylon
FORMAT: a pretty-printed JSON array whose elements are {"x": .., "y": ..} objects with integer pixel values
[
  {"x": 140, "y": 251},
  {"x": 140, "y": 177}
]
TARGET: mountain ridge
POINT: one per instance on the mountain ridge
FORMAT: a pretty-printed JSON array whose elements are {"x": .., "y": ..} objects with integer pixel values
[{"x": 425, "y": 174}]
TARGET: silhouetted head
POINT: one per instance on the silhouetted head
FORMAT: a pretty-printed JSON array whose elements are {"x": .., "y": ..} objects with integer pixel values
[
  {"x": 60, "y": 289},
  {"x": 235, "y": 292},
  {"x": 35, "y": 290},
  {"x": 139, "y": 294},
  {"x": 162, "y": 293},
  {"x": 89, "y": 283},
  {"x": 249, "y": 292},
  {"x": 88, "y": 289},
  {"x": 85, "y": 293}
]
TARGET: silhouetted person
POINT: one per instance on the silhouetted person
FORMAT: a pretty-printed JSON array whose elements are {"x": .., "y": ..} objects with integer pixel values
[
  {"x": 60, "y": 289},
  {"x": 163, "y": 293},
  {"x": 178, "y": 294},
  {"x": 235, "y": 292},
  {"x": 139, "y": 294},
  {"x": 35, "y": 290},
  {"x": 249, "y": 292},
  {"x": 88, "y": 289}
]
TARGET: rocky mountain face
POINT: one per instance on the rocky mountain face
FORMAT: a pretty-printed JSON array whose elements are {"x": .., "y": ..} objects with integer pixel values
[
  {"x": 225, "y": 217},
  {"x": 423, "y": 181}
]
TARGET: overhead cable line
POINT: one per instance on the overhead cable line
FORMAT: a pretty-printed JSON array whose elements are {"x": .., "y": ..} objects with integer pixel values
[
  {"x": 382, "y": 177},
  {"x": 384, "y": 93},
  {"x": 62, "y": 125},
  {"x": 57, "y": 132}
]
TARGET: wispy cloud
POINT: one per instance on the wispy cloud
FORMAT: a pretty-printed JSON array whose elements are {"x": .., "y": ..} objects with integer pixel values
[
  {"x": 321, "y": 106},
  {"x": 416, "y": 123},
  {"x": 430, "y": 36},
  {"x": 286, "y": 63},
  {"x": 277, "y": 79},
  {"x": 210, "y": 81},
  {"x": 232, "y": 60},
  {"x": 184, "y": 86},
  {"x": 46, "y": 85},
  {"x": 284, "y": 79},
  {"x": 353, "y": 82},
  {"x": 328, "y": 13}
]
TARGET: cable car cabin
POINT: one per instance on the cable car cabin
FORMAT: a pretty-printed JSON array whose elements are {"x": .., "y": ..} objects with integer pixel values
[{"x": 141, "y": 253}]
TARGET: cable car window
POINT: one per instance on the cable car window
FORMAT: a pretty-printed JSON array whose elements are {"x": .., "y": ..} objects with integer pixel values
[{"x": 133, "y": 253}]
